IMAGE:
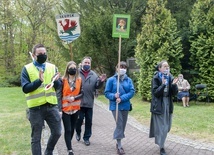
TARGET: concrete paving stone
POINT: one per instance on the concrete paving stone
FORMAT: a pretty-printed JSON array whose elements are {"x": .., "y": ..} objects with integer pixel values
[{"x": 136, "y": 142}]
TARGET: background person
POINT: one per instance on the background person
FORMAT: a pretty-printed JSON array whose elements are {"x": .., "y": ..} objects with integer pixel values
[
  {"x": 163, "y": 89},
  {"x": 126, "y": 92},
  {"x": 42, "y": 103},
  {"x": 90, "y": 82},
  {"x": 183, "y": 90},
  {"x": 71, "y": 94}
]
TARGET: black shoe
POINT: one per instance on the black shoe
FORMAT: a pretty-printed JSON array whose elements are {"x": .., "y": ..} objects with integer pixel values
[
  {"x": 70, "y": 152},
  {"x": 48, "y": 152},
  {"x": 77, "y": 137},
  {"x": 120, "y": 151},
  {"x": 87, "y": 142},
  {"x": 162, "y": 151}
]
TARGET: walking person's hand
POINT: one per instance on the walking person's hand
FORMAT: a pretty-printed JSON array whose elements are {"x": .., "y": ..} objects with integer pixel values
[
  {"x": 103, "y": 77},
  {"x": 57, "y": 75},
  {"x": 118, "y": 100},
  {"x": 175, "y": 80},
  {"x": 116, "y": 95}
]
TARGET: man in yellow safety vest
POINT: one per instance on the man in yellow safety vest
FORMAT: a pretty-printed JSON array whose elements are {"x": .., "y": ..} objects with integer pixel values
[{"x": 39, "y": 80}]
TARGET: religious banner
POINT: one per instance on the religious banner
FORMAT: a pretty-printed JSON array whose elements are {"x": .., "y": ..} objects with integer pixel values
[
  {"x": 121, "y": 25},
  {"x": 68, "y": 26}
]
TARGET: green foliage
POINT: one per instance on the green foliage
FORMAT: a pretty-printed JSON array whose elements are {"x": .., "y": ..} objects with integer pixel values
[
  {"x": 27, "y": 22},
  {"x": 158, "y": 40},
  {"x": 181, "y": 10},
  {"x": 202, "y": 43},
  {"x": 96, "y": 19},
  {"x": 134, "y": 76},
  {"x": 96, "y": 36}
]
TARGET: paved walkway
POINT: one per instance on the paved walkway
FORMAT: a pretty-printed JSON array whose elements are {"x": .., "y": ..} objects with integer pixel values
[{"x": 135, "y": 143}]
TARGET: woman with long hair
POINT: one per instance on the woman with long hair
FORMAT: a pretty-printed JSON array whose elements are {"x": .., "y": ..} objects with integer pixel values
[{"x": 72, "y": 92}]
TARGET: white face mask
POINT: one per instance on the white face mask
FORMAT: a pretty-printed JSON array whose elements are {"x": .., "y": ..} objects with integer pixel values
[
  {"x": 166, "y": 72},
  {"x": 180, "y": 78},
  {"x": 122, "y": 71}
]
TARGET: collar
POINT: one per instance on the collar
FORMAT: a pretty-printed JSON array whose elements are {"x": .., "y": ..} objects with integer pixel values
[{"x": 39, "y": 66}]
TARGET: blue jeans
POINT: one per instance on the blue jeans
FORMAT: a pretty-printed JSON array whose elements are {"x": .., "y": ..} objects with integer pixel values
[
  {"x": 37, "y": 116},
  {"x": 88, "y": 114}
]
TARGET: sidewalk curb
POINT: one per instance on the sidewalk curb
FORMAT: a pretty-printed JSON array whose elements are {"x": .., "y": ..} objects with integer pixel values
[{"x": 174, "y": 138}]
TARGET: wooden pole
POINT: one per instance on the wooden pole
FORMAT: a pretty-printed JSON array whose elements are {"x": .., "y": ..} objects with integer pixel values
[
  {"x": 118, "y": 76},
  {"x": 71, "y": 52}
]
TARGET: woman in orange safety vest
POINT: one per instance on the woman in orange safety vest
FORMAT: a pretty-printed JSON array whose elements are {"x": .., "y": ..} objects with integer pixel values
[{"x": 71, "y": 93}]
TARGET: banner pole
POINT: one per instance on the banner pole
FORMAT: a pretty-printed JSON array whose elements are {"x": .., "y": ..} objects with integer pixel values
[
  {"x": 31, "y": 55},
  {"x": 118, "y": 76},
  {"x": 71, "y": 52}
]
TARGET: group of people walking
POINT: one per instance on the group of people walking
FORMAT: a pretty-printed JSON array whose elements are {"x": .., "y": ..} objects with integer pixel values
[
  {"x": 71, "y": 97},
  {"x": 51, "y": 98}
]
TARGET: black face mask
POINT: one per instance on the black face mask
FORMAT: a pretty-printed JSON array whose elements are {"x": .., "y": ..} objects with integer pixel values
[
  {"x": 72, "y": 71},
  {"x": 41, "y": 58}
]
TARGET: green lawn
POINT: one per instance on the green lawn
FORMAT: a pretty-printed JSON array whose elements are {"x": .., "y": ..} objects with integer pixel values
[
  {"x": 14, "y": 127},
  {"x": 194, "y": 122}
]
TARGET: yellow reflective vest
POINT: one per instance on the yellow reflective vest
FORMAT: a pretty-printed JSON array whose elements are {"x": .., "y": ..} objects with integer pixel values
[{"x": 41, "y": 96}]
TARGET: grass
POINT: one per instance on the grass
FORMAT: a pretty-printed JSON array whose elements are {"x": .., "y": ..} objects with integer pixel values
[
  {"x": 195, "y": 122},
  {"x": 14, "y": 127}
]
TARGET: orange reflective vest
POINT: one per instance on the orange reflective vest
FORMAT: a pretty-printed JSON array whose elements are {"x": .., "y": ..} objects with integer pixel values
[{"x": 68, "y": 106}]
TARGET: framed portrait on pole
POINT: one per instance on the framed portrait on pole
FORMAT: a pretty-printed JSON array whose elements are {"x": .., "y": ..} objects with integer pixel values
[{"x": 121, "y": 25}]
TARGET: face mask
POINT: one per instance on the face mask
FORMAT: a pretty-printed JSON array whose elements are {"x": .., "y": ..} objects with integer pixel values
[
  {"x": 72, "y": 71},
  {"x": 122, "y": 71},
  {"x": 180, "y": 78},
  {"x": 86, "y": 67},
  {"x": 41, "y": 58},
  {"x": 166, "y": 72}
]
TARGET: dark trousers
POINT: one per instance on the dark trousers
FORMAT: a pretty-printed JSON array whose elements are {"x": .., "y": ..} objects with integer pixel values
[
  {"x": 37, "y": 116},
  {"x": 88, "y": 114},
  {"x": 69, "y": 122}
]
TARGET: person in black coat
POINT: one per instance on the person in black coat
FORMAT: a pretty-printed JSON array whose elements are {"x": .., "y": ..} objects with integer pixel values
[{"x": 163, "y": 89}]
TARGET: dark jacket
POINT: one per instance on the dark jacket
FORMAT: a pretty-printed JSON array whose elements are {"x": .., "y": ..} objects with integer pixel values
[
  {"x": 157, "y": 94},
  {"x": 90, "y": 84}
]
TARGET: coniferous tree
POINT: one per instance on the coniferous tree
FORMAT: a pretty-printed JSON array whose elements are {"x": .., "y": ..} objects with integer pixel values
[
  {"x": 181, "y": 10},
  {"x": 202, "y": 42},
  {"x": 158, "y": 40}
]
